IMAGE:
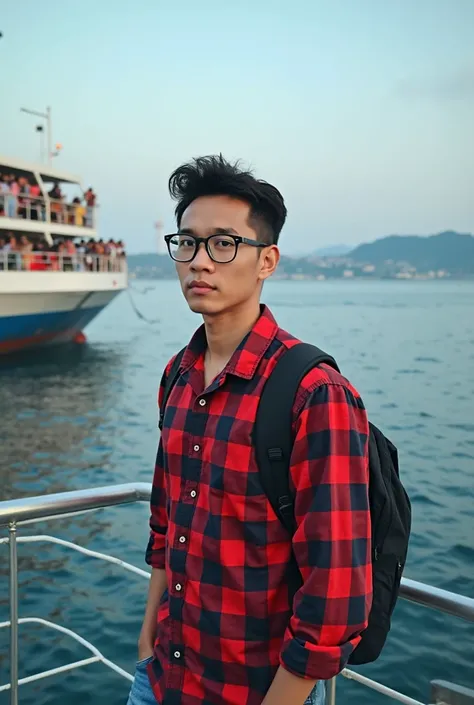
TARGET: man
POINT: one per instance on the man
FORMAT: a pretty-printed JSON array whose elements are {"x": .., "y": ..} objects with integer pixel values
[
  {"x": 218, "y": 626},
  {"x": 90, "y": 199}
]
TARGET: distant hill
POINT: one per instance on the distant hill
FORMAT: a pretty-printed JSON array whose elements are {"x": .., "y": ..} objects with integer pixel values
[
  {"x": 404, "y": 256},
  {"x": 332, "y": 251},
  {"x": 449, "y": 250},
  {"x": 151, "y": 263}
]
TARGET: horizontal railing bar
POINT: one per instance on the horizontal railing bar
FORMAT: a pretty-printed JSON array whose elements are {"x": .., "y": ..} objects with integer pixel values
[
  {"x": 436, "y": 598},
  {"x": 56, "y": 505},
  {"x": 53, "y": 671},
  {"x": 64, "y": 630},
  {"x": 416, "y": 590},
  {"x": 379, "y": 688},
  {"x": 16, "y": 510},
  {"x": 53, "y": 516},
  {"x": 24, "y": 203},
  {"x": 74, "y": 262},
  {"x": 26, "y": 197},
  {"x": 80, "y": 549}
]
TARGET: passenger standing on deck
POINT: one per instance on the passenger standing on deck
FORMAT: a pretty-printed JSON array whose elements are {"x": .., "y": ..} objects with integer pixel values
[
  {"x": 218, "y": 627},
  {"x": 90, "y": 199},
  {"x": 37, "y": 203},
  {"x": 79, "y": 212},
  {"x": 12, "y": 198},
  {"x": 4, "y": 189}
]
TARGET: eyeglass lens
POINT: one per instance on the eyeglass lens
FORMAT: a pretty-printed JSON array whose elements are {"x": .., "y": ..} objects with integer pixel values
[{"x": 220, "y": 247}]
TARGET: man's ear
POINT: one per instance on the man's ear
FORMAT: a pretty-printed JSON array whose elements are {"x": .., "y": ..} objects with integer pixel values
[{"x": 269, "y": 259}]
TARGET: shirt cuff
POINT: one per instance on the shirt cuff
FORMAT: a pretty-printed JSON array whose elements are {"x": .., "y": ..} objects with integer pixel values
[
  {"x": 315, "y": 662},
  {"x": 155, "y": 555}
]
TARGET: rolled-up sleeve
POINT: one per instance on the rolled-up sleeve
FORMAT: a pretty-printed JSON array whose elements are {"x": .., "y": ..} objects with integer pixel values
[
  {"x": 155, "y": 550},
  {"x": 332, "y": 542}
]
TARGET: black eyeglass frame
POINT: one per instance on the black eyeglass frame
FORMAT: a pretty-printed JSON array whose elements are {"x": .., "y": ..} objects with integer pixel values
[{"x": 197, "y": 241}]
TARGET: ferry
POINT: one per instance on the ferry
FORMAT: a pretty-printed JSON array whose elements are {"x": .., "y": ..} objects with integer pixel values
[{"x": 48, "y": 295}]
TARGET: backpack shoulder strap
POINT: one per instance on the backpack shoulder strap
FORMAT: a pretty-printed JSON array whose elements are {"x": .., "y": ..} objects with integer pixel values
[
  {"x": 170, "y": 381},
  {"x": 273, "y": 440}
]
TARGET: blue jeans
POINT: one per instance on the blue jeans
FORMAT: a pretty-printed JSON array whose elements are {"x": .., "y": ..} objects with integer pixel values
[
  {"x": 317, "y": 695},
  {"x": 142, "y": 694}
]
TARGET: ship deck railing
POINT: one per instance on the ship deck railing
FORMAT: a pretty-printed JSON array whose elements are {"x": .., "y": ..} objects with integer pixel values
[
  {"x": 45, "y": 209},
  {"x": 16, "y": 513},
  {"x": 44, "y": 261}
]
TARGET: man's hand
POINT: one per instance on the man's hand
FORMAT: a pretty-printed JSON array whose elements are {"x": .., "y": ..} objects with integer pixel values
[
  {"x": 287, "y": 688},
  {"x": 145, "y": 648}
]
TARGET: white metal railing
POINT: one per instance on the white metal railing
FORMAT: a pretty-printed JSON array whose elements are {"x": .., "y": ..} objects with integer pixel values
[
  {"x": 23, "y": 206},
  {"x": 19, "y": 512},
  {"x": 40, "y": 261},
  {"x": 45, "y": 209},
  {"x": 71, "y": 213}
]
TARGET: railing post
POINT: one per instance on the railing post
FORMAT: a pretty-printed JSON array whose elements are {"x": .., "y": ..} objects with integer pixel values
[
  {"x": 331, "y": 692},
  {"x": 47, "y": 210},
  {"x": 13, "y": 615}
]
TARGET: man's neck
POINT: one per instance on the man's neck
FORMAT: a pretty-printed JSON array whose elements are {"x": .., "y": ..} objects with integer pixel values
[{"x": 225, "y": 333}]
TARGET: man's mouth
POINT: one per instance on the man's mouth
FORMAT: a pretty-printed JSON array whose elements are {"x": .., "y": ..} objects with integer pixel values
[{"x": 200, "y": 287}]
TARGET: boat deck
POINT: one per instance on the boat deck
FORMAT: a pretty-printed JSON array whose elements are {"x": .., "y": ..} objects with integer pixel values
[{"x": 16, "y": 513}]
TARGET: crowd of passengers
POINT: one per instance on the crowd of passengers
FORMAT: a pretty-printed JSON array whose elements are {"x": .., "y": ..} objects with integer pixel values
[
  {"x": 20, "y": 198},
  {"x": 26, "y": 253}
]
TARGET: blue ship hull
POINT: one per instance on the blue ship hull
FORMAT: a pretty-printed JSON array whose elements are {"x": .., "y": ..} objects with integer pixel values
[{"x": 33, "y": 330}]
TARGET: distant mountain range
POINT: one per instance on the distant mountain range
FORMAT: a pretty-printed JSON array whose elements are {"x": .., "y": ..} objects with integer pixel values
[
  {"x": 395, "y": 256},
  {"x": 448, "y": 250}
]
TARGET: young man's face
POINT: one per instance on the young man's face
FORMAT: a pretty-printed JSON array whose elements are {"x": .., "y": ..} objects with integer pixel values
[{"x": 231, "y": 284}]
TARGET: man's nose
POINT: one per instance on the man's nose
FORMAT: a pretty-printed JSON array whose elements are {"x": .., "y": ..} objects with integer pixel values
[{"x": 202, "y": 259}]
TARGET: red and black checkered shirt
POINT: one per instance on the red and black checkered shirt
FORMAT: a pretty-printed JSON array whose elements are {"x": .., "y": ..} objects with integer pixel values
[{"x": 225, "y": 624}]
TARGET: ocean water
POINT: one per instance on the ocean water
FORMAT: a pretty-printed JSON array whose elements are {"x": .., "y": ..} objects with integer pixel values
[{"x": 86, "y": 417}]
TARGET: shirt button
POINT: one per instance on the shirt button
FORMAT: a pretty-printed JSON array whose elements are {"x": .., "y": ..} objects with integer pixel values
[
  {"x": 196, "y": 448},
  {"x": 177, "y": 654},
  {"x": 178, "y": 586},
  {"x": 182, "y": 539},
  {"x": 193, "y": 493},
  {"x": 202, "y": 402}
]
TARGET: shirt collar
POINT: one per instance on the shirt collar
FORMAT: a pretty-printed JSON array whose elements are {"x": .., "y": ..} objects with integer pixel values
[{"x": 248, "y": 354}]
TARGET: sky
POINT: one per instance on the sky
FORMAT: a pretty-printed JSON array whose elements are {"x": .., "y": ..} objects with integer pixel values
[{"x": 361, "y": 112}]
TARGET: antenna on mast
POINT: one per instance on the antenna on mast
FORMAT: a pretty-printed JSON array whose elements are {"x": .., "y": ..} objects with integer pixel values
[{"x": 47, "y": 117}]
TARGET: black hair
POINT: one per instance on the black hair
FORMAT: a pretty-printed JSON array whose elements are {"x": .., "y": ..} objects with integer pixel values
[{"x": 213, "y": 175}]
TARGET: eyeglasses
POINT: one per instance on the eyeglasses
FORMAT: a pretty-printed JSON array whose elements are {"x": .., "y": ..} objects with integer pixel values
[{"x": 220, "y": 248}]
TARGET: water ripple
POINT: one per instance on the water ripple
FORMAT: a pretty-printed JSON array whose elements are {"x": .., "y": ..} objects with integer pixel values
[{"x": 87, "y": 417}]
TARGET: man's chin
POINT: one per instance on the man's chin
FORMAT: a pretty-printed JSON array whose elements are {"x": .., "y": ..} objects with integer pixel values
[{"x": 203, "y": 307}]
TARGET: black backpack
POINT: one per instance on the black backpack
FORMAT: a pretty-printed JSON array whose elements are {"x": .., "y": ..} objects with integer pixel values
[{"x": 390, "y": 508}]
